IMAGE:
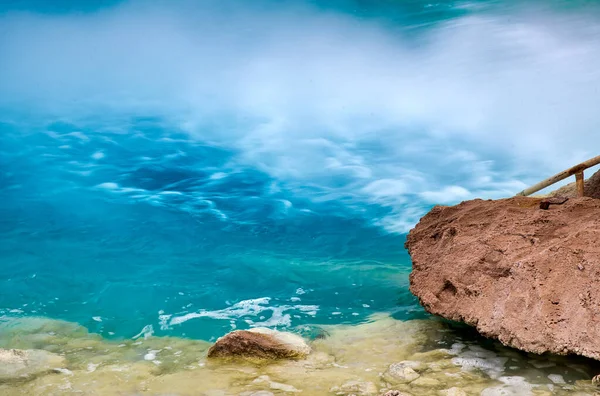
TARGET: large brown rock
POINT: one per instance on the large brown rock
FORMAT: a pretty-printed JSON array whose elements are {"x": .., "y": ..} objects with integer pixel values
[
  {"x": 526, "y": 276},
  {"x": 260, "y": 343}
]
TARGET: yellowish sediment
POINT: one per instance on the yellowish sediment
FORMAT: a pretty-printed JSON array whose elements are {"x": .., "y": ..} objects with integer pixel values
[{"x": 349, "y": 360}]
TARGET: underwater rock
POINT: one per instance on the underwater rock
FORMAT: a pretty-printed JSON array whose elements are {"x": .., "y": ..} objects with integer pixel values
[
  {"x": 18, "y": 364},
  {"x": 525, "y": 276},
  {"x": 358, "y": 388},
  {"x": 402, "y": 372},
  {"x": 260, "y": 343},
  {"x": 426, "y": 382},
  {"x": 352, "y": 355},
  {"x": 395, "y": 393},
  {"x": 276, "y": 385},
  {"x": 453, "y": 392}
]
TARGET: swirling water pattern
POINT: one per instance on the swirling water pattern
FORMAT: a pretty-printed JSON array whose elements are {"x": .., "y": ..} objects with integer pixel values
[{"x": 187, "y": 168}]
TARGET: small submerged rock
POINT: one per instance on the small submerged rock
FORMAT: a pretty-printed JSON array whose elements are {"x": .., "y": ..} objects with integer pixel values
[
  {"x": 402, "y": 372},
  {"x": 453, "y": 392},
  {"x": 258, "y": 393},
  {"x": 260, "y": 343},
  {"x": 426, "y": 382},
  {"x": 18, "y": 364},
  {"x": 275, "y": 385},
  {"x": 396, "y": 393},
  {"x": 359, "y": 388}
]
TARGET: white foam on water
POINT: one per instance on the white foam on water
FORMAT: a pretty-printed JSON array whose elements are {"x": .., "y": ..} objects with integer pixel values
[
  {"x": 250, "y": 308},
  {"x": 185, "y": 202},
  {"x": 108, "y": 186},
  {"x": 170, "y": 193},
  {"x": 135, "y": 190},
  {"x": 287, "y": 204},
  {"x": 347, "y": 83},
  {"x": 277, "y": 319},
  {"x": 218, "y": 214},
  {"x": 147, "y": 332},
  {"x": 476, "y": 357},
  {"x": 163, "y": 320},
  {"x": 218, "y": 176},
  {"x": 513, "y": 386}
]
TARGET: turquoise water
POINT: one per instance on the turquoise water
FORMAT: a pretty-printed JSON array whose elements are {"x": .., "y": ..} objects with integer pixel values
[
  {"x": 185, "y": 168},
  {"x": 161, "y": 227}
]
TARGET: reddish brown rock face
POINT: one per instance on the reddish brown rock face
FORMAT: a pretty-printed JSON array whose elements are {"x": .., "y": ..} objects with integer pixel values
[{"x": 526, "y": 276}]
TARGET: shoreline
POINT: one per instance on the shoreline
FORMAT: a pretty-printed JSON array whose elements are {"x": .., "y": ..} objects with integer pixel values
[{"x": 349, "y": 359}]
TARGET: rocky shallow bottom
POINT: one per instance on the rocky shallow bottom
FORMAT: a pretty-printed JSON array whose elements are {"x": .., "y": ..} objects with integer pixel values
[{"x": 418, "y": 357}]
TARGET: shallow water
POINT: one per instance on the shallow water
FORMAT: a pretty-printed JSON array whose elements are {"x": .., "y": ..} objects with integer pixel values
[
  {"x": 351, "y": 359},
  {"x": 170, "y": 171}
]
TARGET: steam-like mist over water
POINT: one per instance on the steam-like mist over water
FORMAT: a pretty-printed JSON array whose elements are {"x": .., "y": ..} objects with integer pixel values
[{"x": 202, "y": 166}]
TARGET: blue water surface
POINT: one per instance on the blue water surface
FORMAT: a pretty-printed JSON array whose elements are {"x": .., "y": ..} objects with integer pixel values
[
  {"x": 121, "y": 231},
  {"x": 186, "y": 168}
]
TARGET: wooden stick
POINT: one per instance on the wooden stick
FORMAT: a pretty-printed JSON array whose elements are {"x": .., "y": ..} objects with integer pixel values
[
  {"x": 579, "y": 183},
  {"x": 560, "y": 176}
]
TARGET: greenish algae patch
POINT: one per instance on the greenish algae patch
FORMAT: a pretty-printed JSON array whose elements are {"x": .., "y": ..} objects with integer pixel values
[{"x": 419, "y": 357}]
